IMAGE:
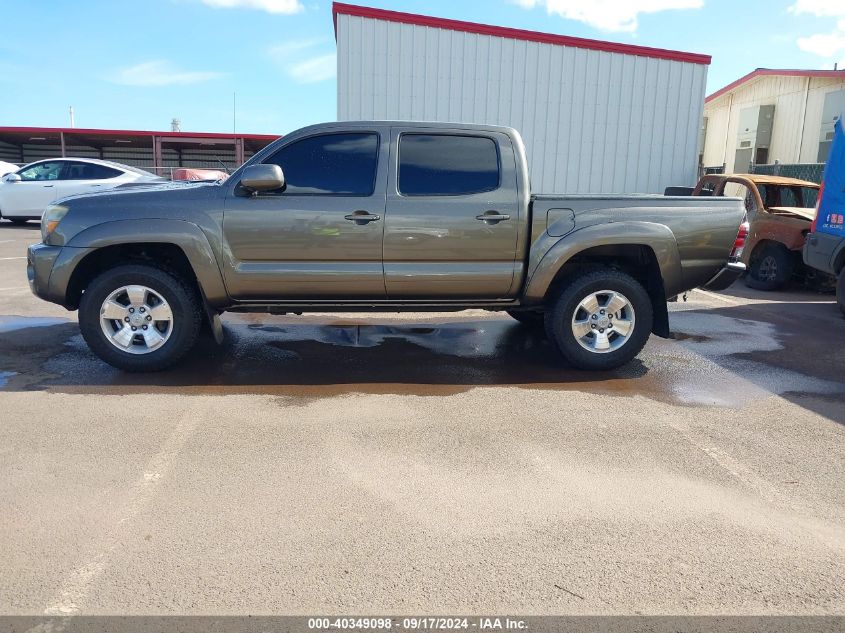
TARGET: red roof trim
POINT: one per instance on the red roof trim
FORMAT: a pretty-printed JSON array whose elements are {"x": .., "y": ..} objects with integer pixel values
[
  {"x": 515, "y": 34},
  {"x": 773, "y": 72},
  {"x": 99, "y": 132}
]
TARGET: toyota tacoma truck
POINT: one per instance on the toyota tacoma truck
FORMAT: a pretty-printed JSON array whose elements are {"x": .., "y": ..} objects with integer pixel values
[{"x": 380, "y": 216}]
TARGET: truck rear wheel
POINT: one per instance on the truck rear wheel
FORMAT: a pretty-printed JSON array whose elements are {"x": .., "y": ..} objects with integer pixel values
[
  {"x": 601, "y": 319},
  {"x": 770, "y": 269},
  {"x": 139, "y": 318}
]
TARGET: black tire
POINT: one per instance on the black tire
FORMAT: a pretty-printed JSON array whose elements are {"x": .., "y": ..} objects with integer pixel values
[
  {"x": 184, "y": 305},
  {"x": 564, "y": 309},
  {"x": 771, "y": 268},
  {"x": 532, "y": 319},
  {"x": 840, "y": 290}
]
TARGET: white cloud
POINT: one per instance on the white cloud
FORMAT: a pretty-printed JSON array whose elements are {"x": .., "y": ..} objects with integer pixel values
[
  {"x": 821, "y": 8},
  {"x": 314, "y": 69},
  {"x": 823, "y": 44},
  {"x": 608, "y": 15},
  {"x": 283, "y": 52},
  {"x": 270, "y": 6},
  {"x": 830, "y": 45},
  {"x": 160, "y": 73},
  {"x": 302, "y": 60}
]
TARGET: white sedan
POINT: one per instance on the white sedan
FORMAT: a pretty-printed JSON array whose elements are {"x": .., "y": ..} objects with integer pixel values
[{"x": 25, "y": 193}]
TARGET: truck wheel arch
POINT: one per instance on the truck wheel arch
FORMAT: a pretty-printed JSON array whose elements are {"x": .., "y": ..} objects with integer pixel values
[
  {"x": 645, "y": 250},
  {"x": 178, "y": 245}
]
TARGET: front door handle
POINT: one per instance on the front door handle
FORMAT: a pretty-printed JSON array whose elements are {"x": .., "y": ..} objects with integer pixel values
[
  {"x": 362, "y": 217},
  {"x": 492, "y": 217},
  {"x": 47, "y": 186}
]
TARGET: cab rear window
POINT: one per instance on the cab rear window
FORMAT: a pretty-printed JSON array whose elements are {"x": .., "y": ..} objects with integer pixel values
[{"x": 447, "y": 165}]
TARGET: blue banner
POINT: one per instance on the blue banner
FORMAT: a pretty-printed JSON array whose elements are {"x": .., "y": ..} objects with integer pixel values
[{"x": 830, "y": 218}]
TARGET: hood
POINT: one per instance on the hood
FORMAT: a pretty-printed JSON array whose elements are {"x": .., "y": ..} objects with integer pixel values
[
  {"x": 801, "y": 212},
  {"x": 139, "y": 186}
]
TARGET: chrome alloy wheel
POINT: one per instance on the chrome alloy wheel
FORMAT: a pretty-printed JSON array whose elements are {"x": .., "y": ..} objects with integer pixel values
[
  {"x": 136, "y": 319},
  {"x": 603, "y": 321}
]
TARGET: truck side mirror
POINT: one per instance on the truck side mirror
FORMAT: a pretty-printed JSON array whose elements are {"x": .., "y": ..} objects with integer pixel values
[{"x": 263, "y": 177}]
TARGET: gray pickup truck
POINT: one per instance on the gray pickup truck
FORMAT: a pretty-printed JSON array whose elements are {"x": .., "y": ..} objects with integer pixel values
[{"x": 384, "y": 216}]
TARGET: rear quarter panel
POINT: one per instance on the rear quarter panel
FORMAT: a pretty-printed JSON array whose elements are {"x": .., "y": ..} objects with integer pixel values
[{"x": 691, "y": 237}]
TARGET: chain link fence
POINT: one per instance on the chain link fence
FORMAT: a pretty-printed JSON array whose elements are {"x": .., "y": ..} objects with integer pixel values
[{"x": 803, "y": 171}]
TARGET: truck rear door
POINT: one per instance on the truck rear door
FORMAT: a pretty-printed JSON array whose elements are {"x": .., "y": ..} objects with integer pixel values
[{"x": 452, "y": 218}]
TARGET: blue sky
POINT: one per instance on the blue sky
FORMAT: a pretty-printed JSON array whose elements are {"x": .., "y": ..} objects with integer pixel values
[{"x": 137, "y": 65}]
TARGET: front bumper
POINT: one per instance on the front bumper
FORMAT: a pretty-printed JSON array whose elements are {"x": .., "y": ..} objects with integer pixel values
[
  {"x": 725, "y": 277},
  {"x": 40, "y": 259}
]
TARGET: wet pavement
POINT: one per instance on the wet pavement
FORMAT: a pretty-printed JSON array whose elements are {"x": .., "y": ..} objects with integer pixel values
[{"x": 426, "y": 463}]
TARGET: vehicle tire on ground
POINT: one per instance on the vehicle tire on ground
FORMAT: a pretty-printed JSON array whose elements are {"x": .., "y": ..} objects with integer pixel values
[
  {"x": 771, "y": 268},
  {"x": 140, "y": 318},
  {"x": 532, "y": 319},
  {"x": 840, "y": 290},
  {"x": 601, "y": 319}
]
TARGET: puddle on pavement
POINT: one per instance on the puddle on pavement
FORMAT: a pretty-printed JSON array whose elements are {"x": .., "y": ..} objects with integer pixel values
[
  {"x": 12, "y": 323},
  {"x": 306, "y": 359}
]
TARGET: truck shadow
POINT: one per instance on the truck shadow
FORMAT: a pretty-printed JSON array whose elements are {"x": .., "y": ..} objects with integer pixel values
[
  {"x": 313, "y": 359},
  {"x": 729, "y": 356}
]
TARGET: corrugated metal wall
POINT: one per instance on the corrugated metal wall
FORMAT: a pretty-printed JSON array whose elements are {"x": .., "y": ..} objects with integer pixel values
[
  {"x": 593, "y": 121},
  {"x": 798, "y": 102}
]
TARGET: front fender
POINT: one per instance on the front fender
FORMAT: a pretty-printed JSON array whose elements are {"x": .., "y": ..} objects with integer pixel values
[
  {"x": 554, "y": 253},
  {"x": 186, "y": 235}
]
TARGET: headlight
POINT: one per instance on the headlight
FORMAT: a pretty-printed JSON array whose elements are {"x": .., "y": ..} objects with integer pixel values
[{"x": 51, "y": 218}]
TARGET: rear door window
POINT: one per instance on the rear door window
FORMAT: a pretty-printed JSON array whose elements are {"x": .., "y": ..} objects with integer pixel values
[
  {"x": 447, "y": 165},
  {"x": 88, "y": 171}
]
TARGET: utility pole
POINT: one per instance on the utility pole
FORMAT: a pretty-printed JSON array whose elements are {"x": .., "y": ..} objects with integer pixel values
[
  {"x": 234, "y": 113},
  {"x": 71, "y": 116}
]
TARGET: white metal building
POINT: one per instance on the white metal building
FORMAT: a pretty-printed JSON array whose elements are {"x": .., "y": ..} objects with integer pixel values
[
  {"x": 597, "y": 117},
  {"x": 773, "y": 115}
]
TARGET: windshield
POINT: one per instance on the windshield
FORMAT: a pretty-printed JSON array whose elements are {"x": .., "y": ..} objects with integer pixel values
[{"x": 788, "y": 195}]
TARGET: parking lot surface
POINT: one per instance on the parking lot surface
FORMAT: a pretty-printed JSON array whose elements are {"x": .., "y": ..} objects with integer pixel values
[{"x": 425, "y": 463}]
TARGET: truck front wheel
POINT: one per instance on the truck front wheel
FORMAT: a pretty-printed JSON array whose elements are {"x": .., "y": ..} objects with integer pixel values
[
  {"x": 139, "y": 318},
  {"x": 601, "y": 319}
]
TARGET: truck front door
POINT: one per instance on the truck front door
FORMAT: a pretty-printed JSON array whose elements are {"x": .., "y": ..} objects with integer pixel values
[
  {"x": 452, "y": 215},
  {"x": 321, "y": 236}
]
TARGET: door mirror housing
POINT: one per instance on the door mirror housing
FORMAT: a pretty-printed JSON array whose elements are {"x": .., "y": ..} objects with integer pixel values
[
  {"x": 264, "y": 177},
  {"x": 13, "y": 177}
]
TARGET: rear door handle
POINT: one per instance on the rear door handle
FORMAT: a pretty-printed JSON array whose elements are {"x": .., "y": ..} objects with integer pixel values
[
  {"x": 362, "y": 217},
  {"x": 492, "y": 217}
]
